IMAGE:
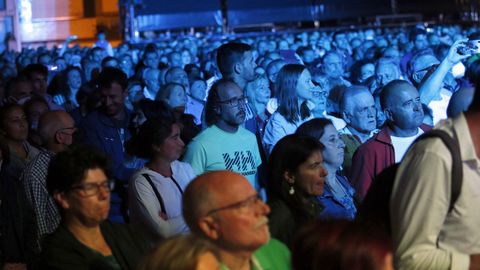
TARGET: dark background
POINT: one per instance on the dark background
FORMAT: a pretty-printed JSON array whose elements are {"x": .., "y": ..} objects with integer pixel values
[{"x": 162, "y": 14}]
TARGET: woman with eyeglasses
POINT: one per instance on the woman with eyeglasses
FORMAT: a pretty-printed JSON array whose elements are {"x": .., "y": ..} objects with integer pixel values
[
  {"x": 338, "y": 196},
  {"x": 78, "y": 181},
  {"x": 156, "y": 190},
  {"x": 293, "y": 90},
  {"x": 295, "y": 177}
]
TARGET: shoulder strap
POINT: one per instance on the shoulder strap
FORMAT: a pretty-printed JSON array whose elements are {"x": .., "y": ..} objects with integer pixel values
[
  {"x": 176, "y": 184},
  {"x": 457, "y": 170},
  {"x": 157, "y": 194}
]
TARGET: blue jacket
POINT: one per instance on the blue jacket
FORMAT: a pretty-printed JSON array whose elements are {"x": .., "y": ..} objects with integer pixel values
[
  {"x": 102, "y": 133},
  {"x": 99, "y": 131},
  {"x": 334, "y": 208}
]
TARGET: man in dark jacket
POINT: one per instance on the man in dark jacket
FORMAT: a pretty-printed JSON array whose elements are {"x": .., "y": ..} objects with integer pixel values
[{"x": 106, "y": 129}]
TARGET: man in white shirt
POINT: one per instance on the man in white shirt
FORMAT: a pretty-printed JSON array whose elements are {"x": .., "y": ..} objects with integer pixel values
[{"x": 400, "y": 102}]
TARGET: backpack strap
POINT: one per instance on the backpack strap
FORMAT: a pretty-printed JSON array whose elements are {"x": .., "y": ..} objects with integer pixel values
[
  {"x": 157, "y": 194},
  {"x": 457, "y": 170}
]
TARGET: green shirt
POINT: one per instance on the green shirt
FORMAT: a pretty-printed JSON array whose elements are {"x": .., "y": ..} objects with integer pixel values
[{"x": 274, "y": 255}]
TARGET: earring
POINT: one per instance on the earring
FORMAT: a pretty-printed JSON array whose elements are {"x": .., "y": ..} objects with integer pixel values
[{"x": 291, "y": 191}]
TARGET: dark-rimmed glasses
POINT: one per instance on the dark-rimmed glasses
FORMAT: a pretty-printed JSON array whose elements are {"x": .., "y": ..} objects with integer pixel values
[
  {"x": 234, "y": 101},
  {"x": 244, "y": 204},
  {"x": 92, "y": 189}
]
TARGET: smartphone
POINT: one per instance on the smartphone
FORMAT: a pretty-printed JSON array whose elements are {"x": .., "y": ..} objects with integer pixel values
[{"x": 471, "y": 47}]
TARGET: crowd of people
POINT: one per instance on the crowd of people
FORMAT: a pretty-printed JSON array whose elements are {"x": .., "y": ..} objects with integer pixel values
[{"x": 253, "y": 152}]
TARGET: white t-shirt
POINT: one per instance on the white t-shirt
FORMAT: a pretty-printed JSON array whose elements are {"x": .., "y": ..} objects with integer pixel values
[
  {"x": 401, "y": 144},
  {"x": 439, "y": 107}
]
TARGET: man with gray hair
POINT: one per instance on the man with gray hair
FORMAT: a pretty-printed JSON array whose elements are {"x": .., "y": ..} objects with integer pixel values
[
  {"x": 224, "y": 208},
  {"x": 386, "y": 70},
  {"x": 56, "y": 130},
  {"x": 401, "y": 104},
  {"x": 358, "y": 111},
  {"x": 152, "y": 84}
]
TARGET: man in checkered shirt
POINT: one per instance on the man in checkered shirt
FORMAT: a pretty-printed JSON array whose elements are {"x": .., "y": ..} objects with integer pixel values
[{"x": 56, "y": 129}]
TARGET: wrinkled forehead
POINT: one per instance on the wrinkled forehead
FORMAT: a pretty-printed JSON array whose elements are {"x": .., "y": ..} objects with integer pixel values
[{"x": 360, "y": 99}]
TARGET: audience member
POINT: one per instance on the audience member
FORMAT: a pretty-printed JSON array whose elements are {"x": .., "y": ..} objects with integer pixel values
[
  {"x": 151, "y": 82},
  {"x": 106, "y": 129},
  {"x": 293, "y": 91},
  {"x": 238, "y": 150},
  {"x": 295, "y": 176},
  {"x": 224, "y": 208},
  {"x": 437, "y": 87},
  {"x": 258, "y": 95},
  {"x": 338, "y": 195},
  {"x": 15, "y": 213},
  {"x": 358, "y": 111},
  {"x": 66, "y": 95},
  {"x": 38, "y": 74},
  {"x": 235, "y": 61},
  {"x": 401, "y": 105},
  {"x": 56, "y": 129},
  {"x": 78, "y": 180},
  {"x": 187, "y": 252},
  {"x": 426, "y": 235},
  {"x": 174, "y": 95},
  {"x": 341, "y": 245},
  {"x": 196, "y": 99},
  {"x": 155, "y": 191}
]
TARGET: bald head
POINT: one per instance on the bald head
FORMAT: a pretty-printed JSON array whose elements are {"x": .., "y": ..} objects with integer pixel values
[
  {"x": 207, "y": 192},
  {"x": 392, "y": 91},
  {"x": 50, "y": 122}
]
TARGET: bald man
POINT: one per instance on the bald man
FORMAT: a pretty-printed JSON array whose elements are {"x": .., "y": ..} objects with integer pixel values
[
  {"x": 224, "y": 208},
  {"x": 401, "y": 105},
  {"x": 358, "y": 111},
  {"x": 56, "y": 130}
]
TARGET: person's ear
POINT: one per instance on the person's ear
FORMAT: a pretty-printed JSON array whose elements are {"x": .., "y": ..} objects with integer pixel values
[
  {"x": 289, "y": 177},
  {"x": 58, "y": 137},
  {"x": 61, "y": 199},
  {"x": 209, "y": 227},
  {"x": 156, "y": 147},
  {"x": 388, "y": 114},
  {"x": 237, "y": 68}
]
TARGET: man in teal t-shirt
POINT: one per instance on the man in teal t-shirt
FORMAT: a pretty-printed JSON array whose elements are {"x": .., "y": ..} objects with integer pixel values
[
  {"x": 225, "y": 145},
  {"x": 224, "y": 208}
]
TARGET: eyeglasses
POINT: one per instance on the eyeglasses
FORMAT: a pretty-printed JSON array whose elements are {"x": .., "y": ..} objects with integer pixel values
[
  {"x": 92, "y": 189},
  {"x": 62, "y": 130},
  {"x": 427, "y": 68},
  {"x": 234, "y": 101},
  {"x": 246, "y": 204},
  {"x": 319, "y": 93}
]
